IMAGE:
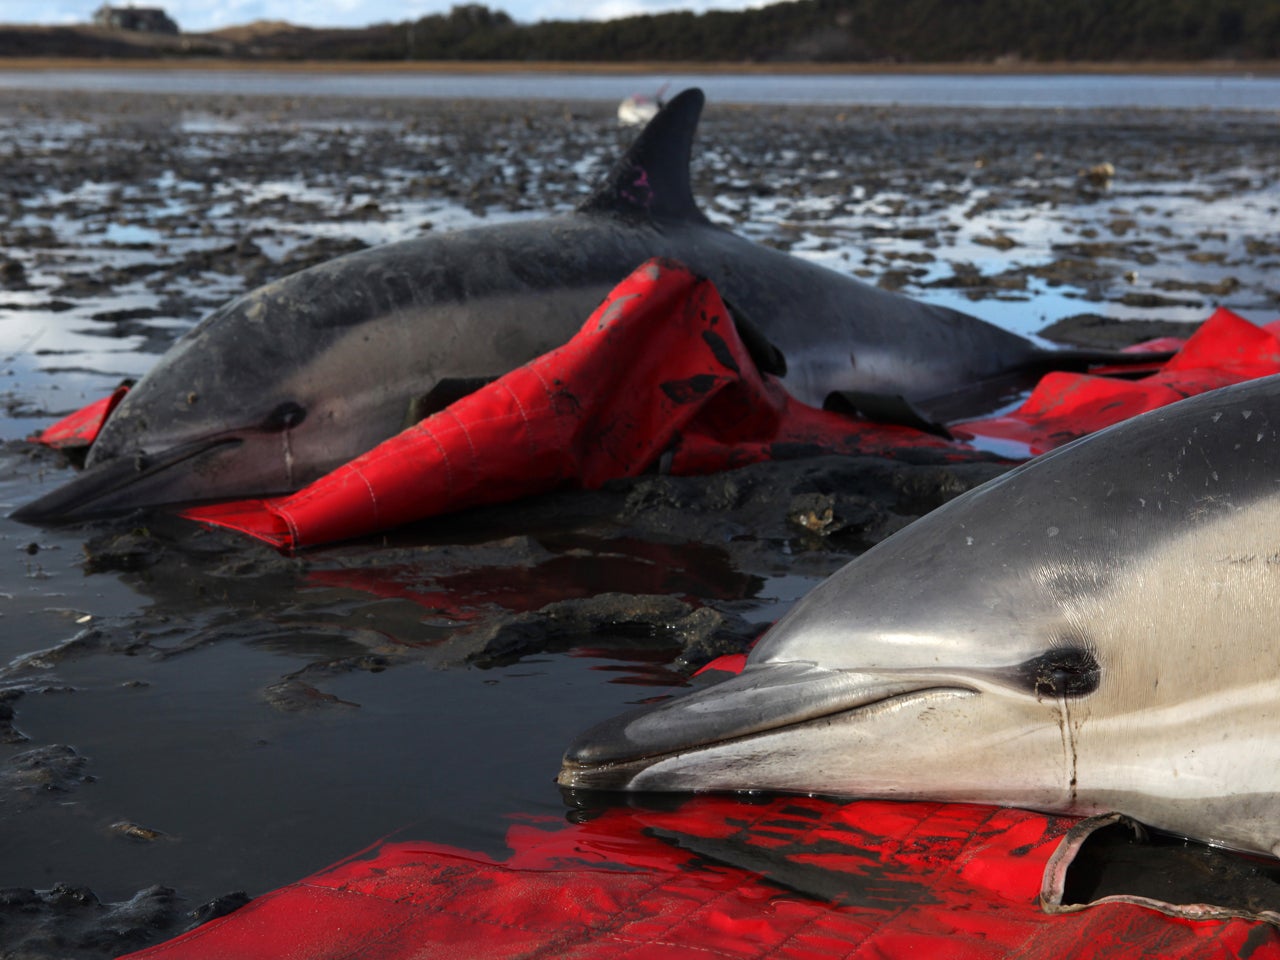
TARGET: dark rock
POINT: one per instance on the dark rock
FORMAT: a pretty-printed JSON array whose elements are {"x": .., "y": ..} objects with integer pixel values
[
  {"x": 8, "y": 732},
  {"x": 1135, "y": 299},
  {"x": 219, "y": 907},
  {"x": 135, "y": 831},
  {"x": 1108, "y": 333},
  {"x": 13, "y": 275},
  {"x": 126, "y": 552},
  {"x": 694, "y": 635},
  {"x": 293, "y": 695},
  {"x": 49, "y": 770},
  {"x": 67, "y": 922}
]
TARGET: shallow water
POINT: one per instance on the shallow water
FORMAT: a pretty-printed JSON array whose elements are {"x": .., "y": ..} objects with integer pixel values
[
  {"x": 1244, "y": 92},
  {"x": 268, "y": 716}
]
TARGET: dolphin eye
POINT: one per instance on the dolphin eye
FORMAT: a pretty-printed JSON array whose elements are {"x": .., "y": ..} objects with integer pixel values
[
  {"x": 1063, "y": 672},
  {"x": 284, "y": 417}
]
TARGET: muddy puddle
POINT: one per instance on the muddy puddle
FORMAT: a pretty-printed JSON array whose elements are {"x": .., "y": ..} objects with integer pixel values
[{"x": 186, "y": 718}]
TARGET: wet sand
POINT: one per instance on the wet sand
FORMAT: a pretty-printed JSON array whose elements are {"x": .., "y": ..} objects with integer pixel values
[{"x": 186, "y": 718}]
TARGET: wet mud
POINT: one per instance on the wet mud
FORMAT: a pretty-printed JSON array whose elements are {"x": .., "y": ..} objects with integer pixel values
[{"x": 187, "y": 717}]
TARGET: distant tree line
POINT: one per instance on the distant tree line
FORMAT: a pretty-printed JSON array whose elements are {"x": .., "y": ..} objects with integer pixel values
[
  {"x": 903, "y": 31},
  {"x": 822, "y": 31}
]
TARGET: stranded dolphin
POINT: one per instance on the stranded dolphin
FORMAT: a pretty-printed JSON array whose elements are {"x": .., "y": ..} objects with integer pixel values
[
  {"x": 1094, "y": 631},
  {"x": 289, "y": 381}
]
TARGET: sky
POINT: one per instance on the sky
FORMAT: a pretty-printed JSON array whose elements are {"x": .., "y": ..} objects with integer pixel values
[{"x": 199, "y": 15}]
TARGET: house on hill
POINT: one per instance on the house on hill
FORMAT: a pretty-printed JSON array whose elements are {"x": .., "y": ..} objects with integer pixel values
[{"x": 137, "y": 19}]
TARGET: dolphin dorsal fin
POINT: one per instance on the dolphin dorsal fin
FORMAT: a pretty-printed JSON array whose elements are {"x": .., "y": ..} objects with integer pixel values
[{"x": 651, "y": 180}]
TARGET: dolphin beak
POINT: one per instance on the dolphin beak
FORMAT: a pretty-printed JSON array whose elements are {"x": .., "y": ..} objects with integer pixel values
[
  {"x": 763, "y": 698},
  {"x": 125, "y": 483}
]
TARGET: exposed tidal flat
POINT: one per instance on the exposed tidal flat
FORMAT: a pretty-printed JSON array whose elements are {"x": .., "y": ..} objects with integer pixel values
[{"x": 185, "y": 716}]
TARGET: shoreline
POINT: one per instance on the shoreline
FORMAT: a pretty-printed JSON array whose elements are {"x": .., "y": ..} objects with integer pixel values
[{"x": 1207, "y": 68}]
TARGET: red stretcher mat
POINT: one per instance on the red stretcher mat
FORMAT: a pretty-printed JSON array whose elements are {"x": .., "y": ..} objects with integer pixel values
[
  {"x": 658, "y": 371},
  {"x": 658, "y": 376},
  {"x": 792, "y": 878},
  {"x": 1225, "y": 349},
  {"x": 81, "y": 428},
  {"x": 720, "y": 877}
]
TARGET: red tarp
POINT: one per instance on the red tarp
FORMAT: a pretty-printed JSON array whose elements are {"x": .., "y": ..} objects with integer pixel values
[
  {"x": 723, "y": 877},
  {"x": 659, "y": 376},
  {"x": 658, "y": 371},
  {"x": 81, "y": 428},
  {"x": 718, "y": 878},
  {"x": 1225, "y": 349}
]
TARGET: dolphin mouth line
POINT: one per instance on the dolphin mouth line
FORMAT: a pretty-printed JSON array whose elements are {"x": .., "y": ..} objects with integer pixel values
[
  {"x": 617, "y": 773},
  {"x": 93, "y": 493}
]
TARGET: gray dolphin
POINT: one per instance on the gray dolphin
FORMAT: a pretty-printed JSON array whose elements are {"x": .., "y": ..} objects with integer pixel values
[
  {"x": 289, "y": 381},
  {"x": 1094, "y": 631}
]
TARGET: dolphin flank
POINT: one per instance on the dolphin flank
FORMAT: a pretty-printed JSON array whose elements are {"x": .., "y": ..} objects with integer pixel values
[
  {"x": 289, "y": 381},
  {"x": 1094, "y": 631}
]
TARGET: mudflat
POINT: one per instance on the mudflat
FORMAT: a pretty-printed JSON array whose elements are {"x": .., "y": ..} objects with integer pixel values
[{"x": 188, "y": 718}]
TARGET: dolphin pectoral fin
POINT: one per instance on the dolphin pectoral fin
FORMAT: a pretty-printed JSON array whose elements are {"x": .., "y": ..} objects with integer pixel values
[
  {"x": 119, "y": 485},
  {"x": 983, "y": 396},
  {"x": 884, "y": 408},
  {"x": 1080, "y": 359},
  {"x": 978, "y": 398},
  {"x": 767, "y": 357}
]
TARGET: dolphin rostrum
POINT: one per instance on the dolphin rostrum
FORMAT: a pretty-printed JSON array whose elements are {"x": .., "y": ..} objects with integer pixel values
[
  {"x": 291, "y": 380},
  {"x": 1094, "y": 631}
]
